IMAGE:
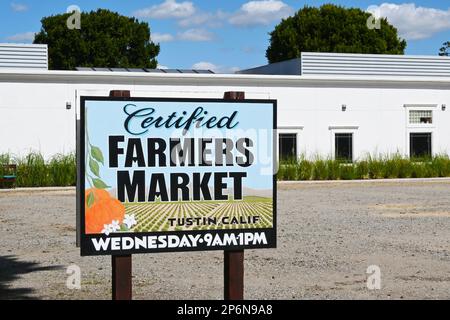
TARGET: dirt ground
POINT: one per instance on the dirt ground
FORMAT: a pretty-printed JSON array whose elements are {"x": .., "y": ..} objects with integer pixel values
[{"x": 328, "y": 235}]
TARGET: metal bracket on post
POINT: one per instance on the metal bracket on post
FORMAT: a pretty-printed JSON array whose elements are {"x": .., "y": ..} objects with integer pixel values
[
  {"x": 233, "y": 260},
  {"x": 121, "y": 265}
]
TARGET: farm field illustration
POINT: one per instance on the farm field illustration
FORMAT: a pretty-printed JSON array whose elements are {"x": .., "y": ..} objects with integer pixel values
[{"x": 154, "y": 217}]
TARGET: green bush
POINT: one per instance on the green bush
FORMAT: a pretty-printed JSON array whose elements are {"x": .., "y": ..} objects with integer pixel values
[
  {"x": 281, "y": 173},
  {"x": 370, "y": 167},
  {"x": 319, "y": 170},
  {"x": 375, "y": 168},
  {"x": 441, "y": 165},
  {"x": 60, "y": 170},
  {"x": 333, "y": 168},
  {"x": 429, "y": 172},
  {"x": 34, "y": 171},
  {"x": 63, "y": 170},
  {"x": 362, "y": 169},
  {"x": 418, "y": 170},
  {"x": 291, "y": 171},
  {"x": 287, "y": 169},
  {"x": 4, "y": 160},
  {"x": 404, "y": 168},
  {"x": 396, "y": 167},
  {"x": 305, "y": 169},
  {"x": 346, "y": 172}
]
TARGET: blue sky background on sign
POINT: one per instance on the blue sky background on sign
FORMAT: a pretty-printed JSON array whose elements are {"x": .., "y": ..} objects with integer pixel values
[
  {"x": 107, "y": 118},
  {"x": 227, "y": 35}
]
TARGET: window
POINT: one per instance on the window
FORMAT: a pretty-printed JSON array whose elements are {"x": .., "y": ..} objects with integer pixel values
[
  {"x": 343, "y": 144},
  {"x": 288, "y": 145},
  {"x": 420, "y": 116},
  {"x": 420, "y": 145}
]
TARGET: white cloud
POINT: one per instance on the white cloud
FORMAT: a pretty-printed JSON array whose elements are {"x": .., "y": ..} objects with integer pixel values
[
  {"x": 18, "y": 7},
  {"x": 256, "y": 12},
  {"x": 205, "y": 65},
  {"x": 204, "y": 18},
  {"x": 187, "y": 35},
  {"x": 166, "y": 10},
  {"x": 413, "y": 23},
  {"x": 22, "y": 37},
  {"x": 160, "y": 66},
  {"x": 195, "y": 35},
  {"x": 161, "y": 37},
  {"x": 260, "y": 13}
]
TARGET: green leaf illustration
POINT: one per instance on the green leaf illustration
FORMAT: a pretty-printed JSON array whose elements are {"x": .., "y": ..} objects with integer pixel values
[
  {"x": 123, "y": 227},
  {"x": 99, "y": 184},
  {"x": 90, "y": 199},
  {"x": 94, "y": 167},
  {"x": 97, "y": 154}
]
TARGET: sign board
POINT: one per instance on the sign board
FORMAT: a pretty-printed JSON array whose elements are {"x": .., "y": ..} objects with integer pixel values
[{"x": 161, "y": 174}]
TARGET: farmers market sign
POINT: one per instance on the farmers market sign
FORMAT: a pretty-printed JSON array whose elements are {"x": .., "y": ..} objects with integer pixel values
[{"x": 176, "y": 175}]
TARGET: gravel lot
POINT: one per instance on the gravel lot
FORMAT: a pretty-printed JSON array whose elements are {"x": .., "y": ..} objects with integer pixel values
[{"x": 329, "y": 233}]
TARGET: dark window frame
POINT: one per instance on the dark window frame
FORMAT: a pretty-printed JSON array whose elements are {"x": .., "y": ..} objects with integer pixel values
[
  {"x": 345, "y": 154},
  {"x": 427, "y": 150},
  {"x": 281, "y": 144}
]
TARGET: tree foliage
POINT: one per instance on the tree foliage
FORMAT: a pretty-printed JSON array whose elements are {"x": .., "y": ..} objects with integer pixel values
[
  {"x": 445, "y": 49},
  {"x": 105, "y": 39},
  {"x": 331, "y": 28}
]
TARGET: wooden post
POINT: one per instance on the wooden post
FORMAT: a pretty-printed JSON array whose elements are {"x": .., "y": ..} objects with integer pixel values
[
  {"x": 121, "y": 277},
  {"x": 233, "y": 275},
  {"x": 233, "y": 260},
  {"x": 121, "y": 265}
]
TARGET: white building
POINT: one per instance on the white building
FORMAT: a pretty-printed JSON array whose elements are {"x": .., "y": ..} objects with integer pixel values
[{"x": 338, "y": 105}]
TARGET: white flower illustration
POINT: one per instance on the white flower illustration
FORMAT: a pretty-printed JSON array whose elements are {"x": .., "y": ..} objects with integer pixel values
[
  {"x": 107, "y": 229},
  {"x": 129, "y": 220},
  {"x": 115, "y": 226}
]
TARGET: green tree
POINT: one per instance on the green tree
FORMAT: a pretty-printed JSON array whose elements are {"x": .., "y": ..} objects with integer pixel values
[
  {"x": 331, "y": 28},
  {"x": 105, "y": 39},
  {"x": 444, "y": 51}
]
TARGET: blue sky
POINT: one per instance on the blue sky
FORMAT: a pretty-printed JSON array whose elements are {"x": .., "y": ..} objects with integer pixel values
[{"x": 228, "y": 35}]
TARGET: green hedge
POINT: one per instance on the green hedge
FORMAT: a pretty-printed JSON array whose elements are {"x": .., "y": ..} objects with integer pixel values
[
  {"x": 34, "y": 171},
  {"x": 381, "y": 167},
  {"x": 60, "y": 170}
]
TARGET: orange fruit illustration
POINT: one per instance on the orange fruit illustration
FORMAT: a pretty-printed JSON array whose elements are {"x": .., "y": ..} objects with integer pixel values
[{"x": 103, "y": 210}]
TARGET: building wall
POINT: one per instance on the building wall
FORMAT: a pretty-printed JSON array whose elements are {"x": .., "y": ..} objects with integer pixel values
[
  {"x": 34, "y": 116},
  {"x": 377, "y": 117}
]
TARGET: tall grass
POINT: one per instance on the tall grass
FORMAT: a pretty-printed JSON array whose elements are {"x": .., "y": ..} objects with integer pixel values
[
  {"x": 60, "y": 170},
  {"x": 34, "y": 171},
  {"x": 319, "y": 169},
  {"x": 4, "y": 160},
  {"x": 370, "y": 167},
  {"x": 440, "y": 166},
  {"x": 63, "y": 170}
]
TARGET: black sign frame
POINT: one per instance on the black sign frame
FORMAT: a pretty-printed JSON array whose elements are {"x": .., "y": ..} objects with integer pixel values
[{"x": 86, "y": 246}]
